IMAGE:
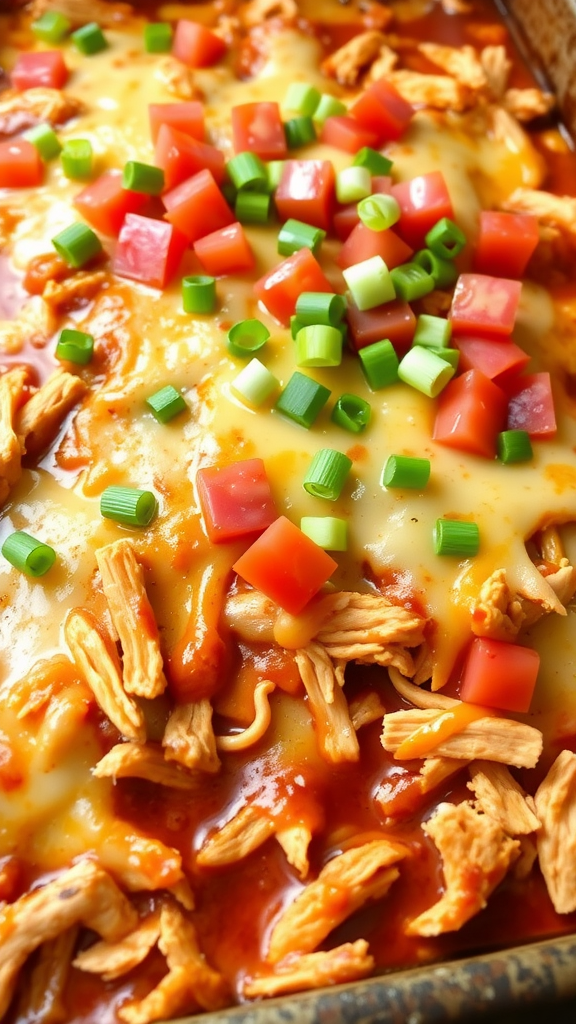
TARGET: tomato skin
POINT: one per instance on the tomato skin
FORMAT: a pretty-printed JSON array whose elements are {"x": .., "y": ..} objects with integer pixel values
[
  {"x": 363, "y": 243},
  {"x": 197, "y": 207},
  {"x": 186, "y": 117},
  {"x": 180, "y": 156},
  {"x": 500, "y": 361},
  {"x": 394, "y": 320},
  {"x": 382, "y": 110},
  {"x": 344, "y": 132},
  {"x": 225, "y": 251},
  {"x": 531, "y": 406},
  {"x": 104, "y": 203},
  {"x": 286, "y": 566},
  {"x": 45, "y": 68},
  {"x": 471, "y": 413},
  {"x": 423, "y": 201},
  {"x": 499, "y": 675},
  {"x": 20, "y": 164},
  {"x": 279, "y": 289},
  {"x": 148, "y": 250},
  {"x": 195, "y": 45},
  {"x": 505, "y": 243},
  {"x": 307, "y": 192},
  {"x": 484, "y": 305},
  {"x": 236, "y": 500},
  {"x": 258, "y": 127}
]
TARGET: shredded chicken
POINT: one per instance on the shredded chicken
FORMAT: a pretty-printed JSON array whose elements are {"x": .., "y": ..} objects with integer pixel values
[
  {"x": 507, "y": 129},
  {"x": 440, "y": 92},
  {"x": 348, "y": 62},
  {"x": 335, "y": 732},
  {"x": 189, "y": 737},
  {"x": 107, "y": 13},
  {"x": 138, "y": 761},
  {"x": 251, "y": 615},
  {"x": 113, "y": 959},
  {"x": 178, "y": 79},
  {"x": 528, "y": 854},
  {"x": 348, "y": 962},
  {"x": 418, "y": 697},
  {"x": 255, "y": 731},
  {"x": 245, "y": 832},
  {"x": 500, "y": 796},
  {"x": 500, "y": 612},
  {"x": 344, "y": 885},
  {"x": 369, "y": 629},
  {"x": 461, "y": 62},
  {"x": 34, "y": 325},
  {"x": 476, "y": 854},
  {"x": 96, "y": 658},
  {"x": 385, "y": 62},
  {"x": 551, "y": 210},
  {"x": 73, "y": 291},
  {"x": 435, "y": 770},
  {"x": 488, "y": 739},
  {"x": 255, "y": 12},
  {"x": 526, "y": 104},
  {"x": 84, "y": 894},
  {"x": 12, "y": 393},
  {"x": 39, "y": 420},
  {"x": 556, "y": 807},
  {"x": 295, "y": 841},
  {"x": 20, "y": 110},
  {"x": 365, "y": 709},
  {"x": 497, "y": 66},
  {"x": 42, "y": 1001}
]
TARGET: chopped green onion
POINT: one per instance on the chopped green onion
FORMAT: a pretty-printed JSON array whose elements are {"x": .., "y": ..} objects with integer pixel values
[
  {"x": 302, "y": 399},
  {"x": 327, "y": 474},
  {"x": 51, "y": 27},
  {"x": 45, "y": 139},
  {"x": 449, "y": 355},
  {"x": 158, "y": 37},
  {"x": 247, "y": 337},
  {"x": 143, "y": 178},
  {"x": 444, "y": 272},
  {"x": 406, "y": 472},
  {"x": 328, "y": 106},
  {"x": 166, "y": 403},
  {"x": 376, "y": 163},
  {"x": 246, "y": 170},
  {"x": 296, "y": 325},
  {"x": 514, "y": 446},
  {"x": 424, "y": 370},
  {"x": 446, "y": 239},
  {"x": 76, "y": 159},
  {"x": 274, "y": 172},
  {"x": 411, "y": 281},
  {"x": 198, "y": 293},
  {"x": 229, "y": 191},
  {"x": 27, "y": 554},
  {"x": 379, "y": 212},
  {"x": 252, "y": 207},
  {"x": 457, "y": 538},
  {"x": 327, "y": 532},
  {"x": 380, "y": 364},
  {"x": 89, "y": 39},
  {"x": 254, "y": 384},
  {"x": 299, "y": 131},
  {"x": 432, "y": 331},
  {"x": 318, "y": 345},
  {"x": 301, "y": 98},
  {"x": 294, "y": 235},
  {"x": 320, "y": 308},
  {"x": 128, "y": 505},
  {"x": 369, "y": 282},
  {"x": 352, "y": 413},
  {"x": 77, "y": 244},
  {"x": 75, "y": 346},
  {"x": 353, "y": 184}
]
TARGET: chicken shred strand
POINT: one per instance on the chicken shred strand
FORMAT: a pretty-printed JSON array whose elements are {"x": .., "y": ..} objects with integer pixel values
[{"x": 556, "y": 841}]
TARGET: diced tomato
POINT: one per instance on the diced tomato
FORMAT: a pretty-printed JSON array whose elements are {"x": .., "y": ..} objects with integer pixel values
[
  {"x": 500, "y": 675},
  {"x": 505, "y": 243},
  {"x": 531, "y": 406},
  {"x": 394, "y": 321},
  {"x": 381, "y": 184},
  {"x": 500, "y": 361},
  {"x": 20, "y": 164},
  {"x": 42, "y": 68},
  {"x": 197, "y": 206},
  {"x": 345, "y": 132},
  {"x": 226, "y": 251},
  {"x": 286, "y": 566},
  {"x": 258, "y": 127},
  {"x": 236, "y": 500},
  {"x": 423, "y": 201},
  {"x": 484, "y": 305},
  {"x": 306, "y": 192},
  {"x": 471, "y": 413},
  {"x": 180, "y": 156},
  {"x": 382, "y": 110},
  {"x": 279, "y": 289},
  {"x": 186, "y": 117},
  {"x": 104, "y": 203},
  {"x": 148, "y": 250},
  {"x": 195, "y": 45},
  {"x": 363, "y": 243}
]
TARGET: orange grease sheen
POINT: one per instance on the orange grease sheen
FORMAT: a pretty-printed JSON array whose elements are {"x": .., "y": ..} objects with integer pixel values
[{"x": 441, "y": 728}]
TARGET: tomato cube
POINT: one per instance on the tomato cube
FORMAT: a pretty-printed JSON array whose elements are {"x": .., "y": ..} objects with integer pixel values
[
  {"x": 104, "y": 203},
  {"x": 471, "y": 413},
  {"x": 279, "y": 289},
  {"x": 363, "y": 243},
  {"x": 44, "y": 68},
  {"x": 382, "y": 110},
  {"x": 344, "y": 132},
  {"x": 236, "y": 500},
  {"x": 226, "y": 251},
  {"x": 505, "y": 243},
  {"x": 148, "y": 250},
  {"x": 197, "y": 206},
  {"x": 500, "y": 675},
  {"x": 195, "y": 45},
  {"x": 181, "y": 156},
  {"x": 484, "y": 305},
  {"x": 186, "y": 117},
  {"x": 423, "y": 201},
  {"x": 306, "y": 192},
  {"x": 20, "y": 164},
  {"x": 258, "y": 127},
  {"x": 500, "y": 361},
  {"x": 394, "y": 321},
  {"x": 531, "y": 406}
]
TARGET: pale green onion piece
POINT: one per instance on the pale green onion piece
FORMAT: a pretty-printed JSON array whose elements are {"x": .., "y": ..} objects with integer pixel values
[
  {"x": 77, "y": 244},
  {"x": 352, "y": 413},
  {"x": 198, "y": 293},
  {"x": 353, "y": 184},
  {"x": 432, "y": 331},
  {"x": 380, "y": 364},
  {"x": 370, "y": 283},
  {"x": 425, "y": 371},
  {"x": 318, "y": 345},
  {"x": 75, "y": 346},
  {"x": 379, "y": 211},
  {"x": 254, "y": 384},
  {"x": 328, "y": 106},
  {"x": 246, "y": 170},
  {"x": 411, "y": 282},
  {"x": 166, "y": 403},
  {"x": 327, "y": 474},
  {"x": 274, "y": 172},
  {"x": 376, "y": 162},
  {"x": 404, "y": 471},
  {"x": 45, "y": 139},
  {"x": 158, "y": 37},
  {"x": 320, "y": 308},
  {"x": 460, "y": 539},
  {"x": 246, "y": 337},
  {"x": 128, "y": 505},
  {"x": 144, "y": 178},
  {"x": 449, "y": 355},
  {"x": 446, "y": 239},
  {"x": 76, "y": 158},
  {"x": 27, "y": 554},
  {"x": 51, "y": 27},
  {"x": 295, "y": 234},
  {"x": 301, "y": 98},
  {"x": 327, "y": 532}
]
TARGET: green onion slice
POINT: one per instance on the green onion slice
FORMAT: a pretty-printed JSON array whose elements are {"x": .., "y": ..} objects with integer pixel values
[
  {"x": 299, "y": 131},
  {"x": 27, "y": 554},
  {"x": 198, "y": 293},
  {"x": 376, "y": 162},
  {"x": 254, "y": 384},
  {"x": 89, "y": 39},
  {"x": 352, "y": 184},
  {"x": 143, "y": 178},
  {"x": 352, "y": 413},
  {"x": 514, "y": 446},
  {"x": 77, "y": 244},
  {"x": 75, "y": 346},
  {"x": 327, "y": 532},
  {"x": 411, "y": 281},
  {"x": 158, "y": 37},
  {"x": 432, "y": 331},
  {"x": 449, "y": 355},
  {"x": 247, "y": 170},
  {"x": 425, "y": 371},
  {"x": 45, "y": 139},
  {"x": 166, "y": 403},
  {"x": 252, "y": 207},
  {"x": 444, "y": 272},
  {"x": 369, "y": 282},
  {"x": 406, "y": 472},
  {"x": 456, "y": 538},
  {"x": 76, "y": 158},
  {"x": 128, "y": 505},
  {"x": 301, "y": 98},
  {"x": 51, "y": 27},
  {"x": 294, "y": 235},
  {"x": 379, "y": 363},
  {"x": 446, "y": 239},
  {"x": 379, "y": 212},
  {"x": 274, "y": 172},
  {"x": 302, "y": 399},
  {"x": 328, "y": 106},
  {"x": 320, "y": 308},
  {"x": 246, "y": 337},
  {"x": 327, "y": 474},
  {"x": 318, "y": 345}
]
